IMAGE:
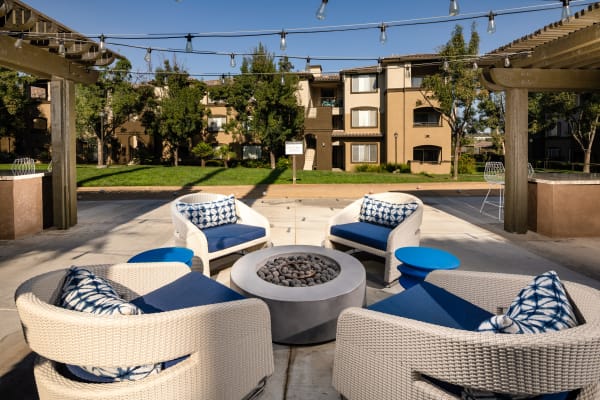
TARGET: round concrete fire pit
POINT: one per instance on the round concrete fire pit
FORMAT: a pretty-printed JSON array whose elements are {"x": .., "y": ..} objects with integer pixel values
[{"x": 305, "y": 314}]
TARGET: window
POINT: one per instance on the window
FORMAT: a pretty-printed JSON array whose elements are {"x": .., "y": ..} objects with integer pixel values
[
  {"x": 427, "y": 154},
  {"x": 215, "y": 124},
  {"x": 553, "y": 153},
  {"x": 364, "y": 153},
  {"x": 426, "y": 116},
  {"x": 416, "y": 81},
  {"x": 251, "y": 152},
  {"x": 364, "y": 118},
  {"x": 364, "y": 83}
]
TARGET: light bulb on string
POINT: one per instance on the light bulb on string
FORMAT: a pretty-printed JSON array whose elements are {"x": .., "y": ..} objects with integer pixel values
[
  {"x": 102, "y": 44},
  {"x": 321, "y": 10},
  {"x": 382, "y": 34},
  {"x": 475, "y": 66},
  {"x": 506, "y": 62},
  {"x": 491, "y": 28},
  {"x": 307, "y": 66},
  {"x": 232, "y": 60},
  {"x": 188, "y": 44},
  {"x": 283, "y": 43},
  {"x": 61, "y": 47},
  {"x": 446, "y": 66},
  {"x": 566, "y": 10},
  {"x": 19, "y": 41},
  {"x": 223, "y": 79},
  {"x": 454, "y": 9},
  {"x": 282, "y": 79},
  {"x": 379, "y": 65},
  {"x": 148, "y": 56}
]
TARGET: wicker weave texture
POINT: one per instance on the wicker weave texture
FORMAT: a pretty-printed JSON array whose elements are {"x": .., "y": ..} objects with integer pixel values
[
  {"x": 229, "y": 343},
  {"x": 408, "y": 233},
  {"x": 188, "y": 235},
  {"x": 380, "y": 356}
]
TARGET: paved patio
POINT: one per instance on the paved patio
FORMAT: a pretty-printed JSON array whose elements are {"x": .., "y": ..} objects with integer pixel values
[{"x": 112, "y": 228}]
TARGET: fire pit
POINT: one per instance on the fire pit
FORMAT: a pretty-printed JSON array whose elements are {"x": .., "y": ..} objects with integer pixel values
[{"x": 305, "y": 287}]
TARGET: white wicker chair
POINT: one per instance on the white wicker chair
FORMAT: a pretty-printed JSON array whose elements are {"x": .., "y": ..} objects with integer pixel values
[
  {"x": 380, "y": 356},
  {"x": 188, "y": 235},
  {"x": 408, "y": 233},
  {"x": 229, "y": 343}
]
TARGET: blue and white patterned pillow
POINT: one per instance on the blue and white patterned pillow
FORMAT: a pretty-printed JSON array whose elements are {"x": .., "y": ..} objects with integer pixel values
[
  {"x": 86, "y": 292},
  {"x": 211, "y": 213},
  {"x": 384, "y": 213},
  {"x": 541, "y": 306}
]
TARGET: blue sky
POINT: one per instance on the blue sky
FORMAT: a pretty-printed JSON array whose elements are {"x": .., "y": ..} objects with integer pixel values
[{"x": 142, "y": 17}]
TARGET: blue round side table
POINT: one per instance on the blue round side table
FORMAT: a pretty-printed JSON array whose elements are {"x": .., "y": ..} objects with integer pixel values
[
  {"x": 164, "y": 254},
  {"x": 417, "y": 262}
]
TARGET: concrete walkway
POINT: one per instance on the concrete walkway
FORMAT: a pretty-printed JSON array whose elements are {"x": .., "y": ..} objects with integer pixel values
[{"x": 113, "y": 226}]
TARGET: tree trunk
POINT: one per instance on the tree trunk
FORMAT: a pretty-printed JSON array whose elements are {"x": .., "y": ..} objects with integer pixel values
[
  {"x": 587, "y": 157},
  {"x": 100, "y": 152},
  {"x": 272, "y": 158},
  {"x": 456, "y": 157},
  {"x": 176, "y": 155},
  {"x": 202, "y": 162}
]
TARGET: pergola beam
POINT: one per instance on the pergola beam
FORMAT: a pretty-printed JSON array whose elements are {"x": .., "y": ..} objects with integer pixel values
[
  {"x": 537, "y": 79},
  {"x": 41, "y": 63}
]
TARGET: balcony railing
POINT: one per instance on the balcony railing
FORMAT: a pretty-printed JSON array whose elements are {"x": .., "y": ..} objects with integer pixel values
[{"x": 331, "y": 102}]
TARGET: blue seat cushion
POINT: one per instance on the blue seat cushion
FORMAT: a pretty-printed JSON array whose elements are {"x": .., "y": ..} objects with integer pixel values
[
  {"x": 224, "y": 236},
  {"x": 429, "y": 303},
  {"x": 191, "y": 290},
  {"x": 371, "y": 235}
]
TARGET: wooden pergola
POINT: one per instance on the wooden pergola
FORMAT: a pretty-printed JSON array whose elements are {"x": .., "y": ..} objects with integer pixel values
[
  {"x": 563, "y": 56},
  {"x": 33, "y": 43}
]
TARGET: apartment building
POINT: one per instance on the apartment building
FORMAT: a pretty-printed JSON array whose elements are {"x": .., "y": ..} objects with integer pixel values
[{"x": 374, "y": 115}]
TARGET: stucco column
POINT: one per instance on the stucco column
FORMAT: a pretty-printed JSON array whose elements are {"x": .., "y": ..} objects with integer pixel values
[
  {"x": 64, "y": 173},
  {"x": 515, "y": 205}
]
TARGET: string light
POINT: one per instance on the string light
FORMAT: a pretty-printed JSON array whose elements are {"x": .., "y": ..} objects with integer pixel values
[
  {"x": 491, "y": 28},
  {"x": 475, "y": 66},
  {"x": 283, "y": 43},
  {"x": 188, "y": 44},
  {"x": 148, "y": 56},
  {"x": 566, "y": 10},
  {"x": 382, "y": 34},
  {"x": 454, "y": 9},
  {"x": 102, "y": 44},
  {"x": 61, "y": 47},
  {"x": 19, "y": 41},
  {"x": 506, "y": 62},
  {"x": 379, "y": 65},
  {"x": 307, "y": 66},
  {"x": 232, "y": 60},
  {"x": 222, "y": 79},
  {"x": 282, "y": 80},
  {"x": 446, "y": 66},
  {"x": 321, "y": 10}
]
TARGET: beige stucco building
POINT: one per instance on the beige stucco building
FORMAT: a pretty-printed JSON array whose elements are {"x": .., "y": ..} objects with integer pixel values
[{"x": 374, "y": 115}]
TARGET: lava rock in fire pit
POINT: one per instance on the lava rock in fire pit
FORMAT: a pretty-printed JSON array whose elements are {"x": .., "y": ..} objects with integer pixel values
[{"x": 299, "y": 270}]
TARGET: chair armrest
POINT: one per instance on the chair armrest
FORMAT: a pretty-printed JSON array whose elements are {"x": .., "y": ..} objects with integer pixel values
[
  {"x": 375, "y": 349},
  {"x": 248, "y": 216}
]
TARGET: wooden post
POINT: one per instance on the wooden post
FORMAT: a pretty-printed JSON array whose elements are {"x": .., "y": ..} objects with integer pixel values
[
  {"x": 64, "y": 173},
  {"x": 515, "y": 205},
  {"x": 294, "y": 169}
]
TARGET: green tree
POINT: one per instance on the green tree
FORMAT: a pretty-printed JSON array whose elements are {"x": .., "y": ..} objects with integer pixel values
[
  {"x": 492, "y": 116},
  {"x": 263, "y": 96},
  {"x": 456, "y": 90},
  {"x": 14, "y": 104},
  {"x": 581, "y": 111},
  {"x": 180, "y": 112},
  {"x": 104, "y": 106},
  {"x": 204, "y": 151},
  {"x": 224, "y": 153}
]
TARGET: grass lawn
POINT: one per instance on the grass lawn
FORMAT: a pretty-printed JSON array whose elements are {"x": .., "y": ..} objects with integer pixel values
[{"x": 152, "y": 175}]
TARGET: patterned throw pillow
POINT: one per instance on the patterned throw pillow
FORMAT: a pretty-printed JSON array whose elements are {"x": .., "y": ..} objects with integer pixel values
[
  {"x": 83, "y": 291},
  {"x": 210, "y": 214},
  {"x": 541, "y": 306},
  {"x": 384, "y": 213}
]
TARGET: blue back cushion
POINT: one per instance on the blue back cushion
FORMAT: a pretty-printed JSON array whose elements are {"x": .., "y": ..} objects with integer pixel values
[
  {"x": 191, "y": 290},
  {"x": 371, "y": 235},
  {"x": 429, "y": 303},
  {"x": 224, "y": 236}
]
